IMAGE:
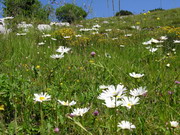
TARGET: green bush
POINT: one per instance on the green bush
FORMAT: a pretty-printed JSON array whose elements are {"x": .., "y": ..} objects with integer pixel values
[
  {"x": 157, "y": 9},
  {"x": 70, "y": 13},
  {"x": 26, "y": 8},
  {"x": 123, "y": 12}
]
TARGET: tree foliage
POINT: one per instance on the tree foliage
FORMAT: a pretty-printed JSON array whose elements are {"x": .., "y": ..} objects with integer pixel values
[
  {"x": 70, "y": 13},
  {"x": 26, "y": 8},
  {"x": 123, "y": 12}
]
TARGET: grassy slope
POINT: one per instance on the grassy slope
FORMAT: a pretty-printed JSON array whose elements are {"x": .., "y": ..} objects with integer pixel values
[{"x": 76, "y": 78}]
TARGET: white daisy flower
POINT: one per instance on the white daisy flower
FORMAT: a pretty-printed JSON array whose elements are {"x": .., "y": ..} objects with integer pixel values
[
  {"x": 134, "y": 75},
  {"x": 112, "y": 102},
  {"x": 79, "y": 111},
  {"x": 174, "y": 124},
  {"x": 96, "y": 26},
  {"x": 163, "y": 38},
  {"x": 153, "y": 49},
  {"x": 129, "y": 101},
  {"x": 126, "y": 125},
  {"x": 41, "y": 43},
  {"x": 42, "y": 97},
  {"x": 138, "y": 92},
  {"x": 111, "y": 91},
  {"x": 176, "y": 41},
  {"x": 63, "y": 49},
  {"x": 67, "y": 103}
]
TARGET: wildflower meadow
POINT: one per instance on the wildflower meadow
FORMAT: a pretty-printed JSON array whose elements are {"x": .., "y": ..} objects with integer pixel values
[{"x": 101, "y": 76}]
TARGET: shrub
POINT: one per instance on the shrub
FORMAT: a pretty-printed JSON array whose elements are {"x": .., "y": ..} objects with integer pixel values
[
  {"x": 70, "y": 13},
  {"x": 123, "y": 12},
  {"x": 26, "y": 9},
  {"x": 156, "y": 9}
]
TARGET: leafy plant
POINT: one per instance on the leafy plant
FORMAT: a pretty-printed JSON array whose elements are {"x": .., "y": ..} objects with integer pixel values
[
  {"x": 70, "y": 13},
  {"x": 123, "y": 12}
]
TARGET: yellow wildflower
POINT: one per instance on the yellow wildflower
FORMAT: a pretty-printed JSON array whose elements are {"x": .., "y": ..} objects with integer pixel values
[{"x": 1, "y": 107}]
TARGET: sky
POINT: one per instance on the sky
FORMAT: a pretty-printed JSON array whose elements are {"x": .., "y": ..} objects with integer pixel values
[{"x": 103, "y": 8}]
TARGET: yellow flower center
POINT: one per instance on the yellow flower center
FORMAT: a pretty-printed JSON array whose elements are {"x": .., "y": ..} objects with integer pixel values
[
  {"x": 41, "y": 98},
  {"x": 129, "y": 104}
]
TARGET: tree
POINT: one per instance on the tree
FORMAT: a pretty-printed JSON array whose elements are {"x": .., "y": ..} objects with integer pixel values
[
  {"x": 25, "y": 8},
  {"x": 123, "y": 12},
  {"x": 70, "y": 13}
]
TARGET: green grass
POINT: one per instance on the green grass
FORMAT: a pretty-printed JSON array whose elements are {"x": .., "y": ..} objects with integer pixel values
[{"x": 74, "y": 77}]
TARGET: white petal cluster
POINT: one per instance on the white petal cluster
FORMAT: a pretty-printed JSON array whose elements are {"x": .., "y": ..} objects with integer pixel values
[
  {"x": 67, "y": 103},
  {"x": 174, "y": 124},
  {"x": 112, "y": 102},
  {"x": 126, "y": 125},
  {"x": 79, "y": 111},
  {"x": 152, "y": 41},
  {"x": 138, "y": 92},
  {"x": 111, "y": 91},
  {"x": 134, "y": 75},
  {"x": 63, "y": 49},
  {"x": 129, "y": 101},
  {"x": 42, "y": 97}
]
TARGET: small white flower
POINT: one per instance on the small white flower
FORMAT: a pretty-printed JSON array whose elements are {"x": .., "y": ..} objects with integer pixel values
[
  {"x": 56, "y": 56},
  {"x": 66, "y": 37},
  {"x": 112, "y": 92},
  {"x": 96, "y": 26},
  {"x": 128, "y": 35},
  {"x": 163, "y": 38},
  {"x": 147, "y": 43},
  {"x": 138, "y": 92},
  {"x": 21, "y": 34},
  {"x": 153, "y": 49},
  {"x": 176, "y": 41},
  {"x": 63, "y": 49},
  {"x": 42, "y": 97},
  {"x": 155, "y": 41},
  {"x": 78, "y": 36},
  {"x": 46, "y": 35},
  {"x": 79, "y": 111},
  {"x": 174, "y": 124},
  {"x": 54, "y": 39},
  {"x": 114, "y": 38},
  {"x": 67, "y": 103},
  {"x": 168, "y": 65},
  {"x": 41, "y": 43},
  {"x": 126, "y": 125},
  {"x": 129, "y": 101},
  {"x": 134, "y": 75},
  {"x": 108, "y": 30},
  {"x": 112, "y": 102}
]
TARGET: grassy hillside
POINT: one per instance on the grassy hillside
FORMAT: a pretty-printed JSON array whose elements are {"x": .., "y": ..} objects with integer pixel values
[{"x": 104, "y": 55}]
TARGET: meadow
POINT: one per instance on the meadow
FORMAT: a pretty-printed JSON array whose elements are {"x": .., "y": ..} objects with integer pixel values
[{"x": 91, "y": 63}]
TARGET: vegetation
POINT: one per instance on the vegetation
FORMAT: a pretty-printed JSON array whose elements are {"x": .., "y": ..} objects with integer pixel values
[
  {"x": 123, "y": 12},
  {"x": 103, "y": 54},
  {"x": 157, "y": 9},
  {"x": 70, "y": 13},
  {"x": 26, "y": 8}
]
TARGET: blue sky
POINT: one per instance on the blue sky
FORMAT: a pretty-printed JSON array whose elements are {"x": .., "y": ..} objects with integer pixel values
[{"x": 103, "y": 8}]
